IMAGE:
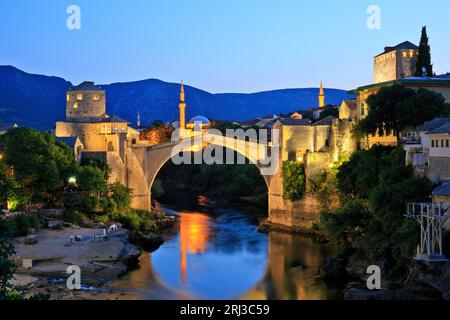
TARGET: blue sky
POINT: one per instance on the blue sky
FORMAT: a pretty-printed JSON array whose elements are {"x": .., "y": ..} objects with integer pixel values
[{"x": 216, "y": 45}]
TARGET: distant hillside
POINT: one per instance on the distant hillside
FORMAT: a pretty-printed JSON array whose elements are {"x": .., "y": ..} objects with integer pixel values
[{"x": 38, "y": 101}]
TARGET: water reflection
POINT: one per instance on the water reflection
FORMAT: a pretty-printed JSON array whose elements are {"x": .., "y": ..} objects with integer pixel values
[
  {"x": 215, "y": 257},
  {"x": 220, "y": 254},
  {"x": 194, "y": 234}
]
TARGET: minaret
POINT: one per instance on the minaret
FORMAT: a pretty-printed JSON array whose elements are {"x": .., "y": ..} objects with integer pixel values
[
  {"x": 138, "y": 121},
  {"x": 321, "y": 96},
  {"x": 182, "y": 106}
]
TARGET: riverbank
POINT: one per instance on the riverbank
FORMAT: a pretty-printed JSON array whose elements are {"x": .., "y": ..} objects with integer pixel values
[
  {"x": 42, "y": 263},
  {"x": 43, "y": 266}
]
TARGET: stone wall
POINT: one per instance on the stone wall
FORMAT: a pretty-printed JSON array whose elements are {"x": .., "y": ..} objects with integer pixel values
[
  {"x": 89, "y": 134},
  {"x": 296, "y": 141},
  {"x": 92, "y": 104},
  {"x": 438, "y": 169},
  {"x": 385, "y": 67}
]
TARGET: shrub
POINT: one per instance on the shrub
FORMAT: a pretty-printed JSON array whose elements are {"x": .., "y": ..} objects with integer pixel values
[
  {"x": 73, "y": 216},
  {"x": 25, "y": 222},
  {"x": 294, "y": 185},
  {"x": 121, "y": 196},
  {"x": 130, "y": 221}
]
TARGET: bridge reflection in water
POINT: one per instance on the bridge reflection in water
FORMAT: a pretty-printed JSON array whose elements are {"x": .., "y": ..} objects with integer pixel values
[
  {"x": 221, "y": 255},
  {"x": 194, "y": 234}
]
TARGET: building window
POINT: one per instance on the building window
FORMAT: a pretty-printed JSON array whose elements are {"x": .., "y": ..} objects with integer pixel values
[
  {"x": 411, "y": 54},
  {"x": 75, "y": 105},
  {"x": 116, "y": 127},
  {"x": 79, "y": 97},
  {"x": 362, "y": 109},
  {"x": 67, "y": 98},
  {"x": 432, "y": 143},
  {"x": 96, "y": 97},
  {"x": 405, "y": 54},
  {"x": 446, "y": 143}
]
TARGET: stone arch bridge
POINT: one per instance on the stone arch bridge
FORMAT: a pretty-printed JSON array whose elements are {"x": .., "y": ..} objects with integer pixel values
[{"x": 142, "y": 164}]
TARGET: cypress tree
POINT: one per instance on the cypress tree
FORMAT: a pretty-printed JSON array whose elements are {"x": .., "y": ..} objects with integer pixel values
[{"x": 424, "y": 56}]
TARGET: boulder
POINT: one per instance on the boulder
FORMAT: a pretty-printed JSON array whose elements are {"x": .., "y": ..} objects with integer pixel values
[
  {"x": 150, "y": 241},
  {"x": 31, "y": 239}
]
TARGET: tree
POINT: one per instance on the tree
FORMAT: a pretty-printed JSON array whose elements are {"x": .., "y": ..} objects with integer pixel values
[
  {"x": 121, "y": 195},
  {"x": 35, "y": 163},
  {"x": 424, "y": 56},
  {"x": 396, "y": 108},
  {"x": 377, "y": 186},
  {"x": 91, "y": 179},
  {"x": 7, "y": 267}
]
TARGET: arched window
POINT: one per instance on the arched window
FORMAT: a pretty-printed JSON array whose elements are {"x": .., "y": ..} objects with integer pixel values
[{"x": 79, "y": 97}]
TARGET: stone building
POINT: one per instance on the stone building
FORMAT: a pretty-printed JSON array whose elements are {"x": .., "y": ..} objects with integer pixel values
[
  {"x": 316, "y": 145},
  {"x": 394, "y": 66},
  {"x": 395, "y": 62},
  {"x": 347, "y": 110},
  {"x": 96, "y": 134}
]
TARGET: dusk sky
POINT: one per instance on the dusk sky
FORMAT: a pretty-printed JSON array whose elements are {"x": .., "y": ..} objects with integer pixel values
[{"x": 217, "y": 45}]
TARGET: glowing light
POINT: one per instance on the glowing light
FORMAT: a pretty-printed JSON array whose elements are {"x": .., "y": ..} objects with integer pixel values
[
  {"x": 194, "y": 235},
  {"x": 72, "y": 180},
  {"x": 300, "y": 159}
]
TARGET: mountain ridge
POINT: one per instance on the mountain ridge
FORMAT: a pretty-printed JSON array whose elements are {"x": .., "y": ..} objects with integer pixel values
[{"x": 39, "y": 100}]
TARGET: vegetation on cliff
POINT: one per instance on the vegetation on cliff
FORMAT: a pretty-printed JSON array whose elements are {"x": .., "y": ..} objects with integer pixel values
[
  {"x": 294, "y": 181},
  {"x": 375, "y": 187}
]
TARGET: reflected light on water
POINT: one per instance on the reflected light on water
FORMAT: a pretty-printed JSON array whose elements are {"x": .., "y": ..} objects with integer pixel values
[{"x": 194, "y": 235}]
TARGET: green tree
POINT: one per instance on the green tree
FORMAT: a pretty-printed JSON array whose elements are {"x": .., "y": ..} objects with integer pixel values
[
  {"x": 35, "y": 163},
  {"x": 7, "y": 267},
  {"x": 396, "y": 108},
  {"x": 121, "y": 195},
  {"x": 375, "y": 187},
  {"x": 347, "y": 222},
  {"x": 424, "y": 56},
  {"x": 91, "y": 179}
]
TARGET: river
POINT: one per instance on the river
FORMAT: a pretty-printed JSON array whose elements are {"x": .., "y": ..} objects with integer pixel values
[{"x": 216, "y": 252}]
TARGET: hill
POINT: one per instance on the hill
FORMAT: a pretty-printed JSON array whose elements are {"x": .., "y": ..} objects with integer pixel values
[{"x": 38, "y": 101}]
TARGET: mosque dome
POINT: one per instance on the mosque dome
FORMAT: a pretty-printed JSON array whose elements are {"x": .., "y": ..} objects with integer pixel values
[{"x": 203, "y": 120}]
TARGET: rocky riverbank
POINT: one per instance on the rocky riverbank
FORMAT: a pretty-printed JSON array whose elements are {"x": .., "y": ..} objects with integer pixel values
[
  {"x": 424, "y": 281},
  {"x": 100, "y": 262}
]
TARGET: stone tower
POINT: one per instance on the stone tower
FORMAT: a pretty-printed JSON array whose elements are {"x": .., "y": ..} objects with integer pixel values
[
  {"x": 321, "y": 96},
  {"x": 85, "y": 101},
  {"x": 182, "y": 107},
  {"x": 395, "y": 62}
]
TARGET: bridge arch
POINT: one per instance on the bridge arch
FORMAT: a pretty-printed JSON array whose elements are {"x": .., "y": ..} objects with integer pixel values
[{"x": 147, "y": 162}]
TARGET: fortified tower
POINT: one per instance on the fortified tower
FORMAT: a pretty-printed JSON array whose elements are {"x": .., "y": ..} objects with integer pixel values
[
  {"x": 395, "y": 62},
  {"x": 85, "y": 101}
]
